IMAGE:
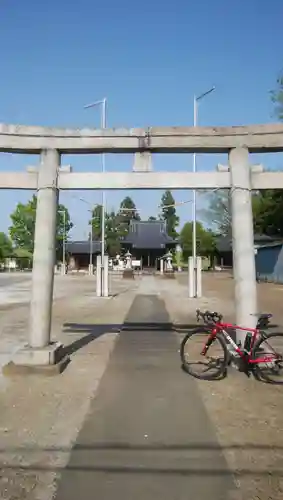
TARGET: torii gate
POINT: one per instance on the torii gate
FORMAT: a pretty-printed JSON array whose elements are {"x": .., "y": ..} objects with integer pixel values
[{"x": 50, "y": 143}]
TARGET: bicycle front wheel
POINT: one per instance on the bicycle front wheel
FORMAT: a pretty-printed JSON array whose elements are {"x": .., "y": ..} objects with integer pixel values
[
  {"x": 213, "y": 364},
  {"x": 268, "y": 356}
]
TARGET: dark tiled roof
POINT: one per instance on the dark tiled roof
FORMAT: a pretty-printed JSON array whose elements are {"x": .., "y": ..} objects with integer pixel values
[
  {"x": 277, "y": 243},
  {"x": 263, "y": 237},
  {"x": 224, "y": 243},
  {"x": 82, "y": 247},
  {"x": 148, "y": 234}
]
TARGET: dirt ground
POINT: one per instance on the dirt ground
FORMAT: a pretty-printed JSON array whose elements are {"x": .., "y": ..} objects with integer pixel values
[
  {"x": 246, "y": 414},
  {"x": 41, "y": 417},
  {"x": 219, "y": 286},
  {"x": 270, "y": 295}
]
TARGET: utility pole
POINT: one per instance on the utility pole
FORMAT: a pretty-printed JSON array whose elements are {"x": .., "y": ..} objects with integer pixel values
[{"x": 194, "y": 249}]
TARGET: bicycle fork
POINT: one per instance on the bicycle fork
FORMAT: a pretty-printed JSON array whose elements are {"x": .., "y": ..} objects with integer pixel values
[{"x": 210, "y": 340}]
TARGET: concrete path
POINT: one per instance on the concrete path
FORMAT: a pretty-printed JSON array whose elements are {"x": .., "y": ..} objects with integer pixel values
[{"x": 147, "y": 435}]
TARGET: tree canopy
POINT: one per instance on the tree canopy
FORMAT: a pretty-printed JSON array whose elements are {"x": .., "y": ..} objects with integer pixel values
[
  {"x": 268, "y": 216},
  {"x": 267, "y": 209},
  {"x": 23, "y": 226},
  {"x": 204, "y": 238},
  {"x": 116, "y": 224},
  {"x": 218, "y": 214},
  {"x": 6, "y": 248},
  {"x": 267, "y": 205},
  {"x": 96, "y": 222},
  {"x": 168, "y": 213},
  {"x": 128, "y": 210},
  {"x": 114, "y": 233},
  {"x": 277, "y": 97}
]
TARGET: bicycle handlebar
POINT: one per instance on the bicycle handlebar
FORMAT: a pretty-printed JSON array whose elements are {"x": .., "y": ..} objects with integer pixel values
[{"x": 209, "y": 316}]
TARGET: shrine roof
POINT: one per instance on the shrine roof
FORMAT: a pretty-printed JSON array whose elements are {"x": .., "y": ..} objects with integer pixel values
[{"x": 148, "y": 234}]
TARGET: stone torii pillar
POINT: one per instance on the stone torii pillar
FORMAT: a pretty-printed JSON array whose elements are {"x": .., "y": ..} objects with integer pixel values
[
  {"x": 243, "y": 239},
  {"x": 40, "y": 353}
]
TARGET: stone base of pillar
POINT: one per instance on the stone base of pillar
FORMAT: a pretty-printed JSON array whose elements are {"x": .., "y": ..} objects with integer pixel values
[
  {"x": 128, "y": 274},
  {"x": 195, "y": 278},
  {"x": 63, "y": 269},
  {"x": 105, "y": 277},
  {"x": 49, "y": 360},
  {"x": 90, "y": 269}
]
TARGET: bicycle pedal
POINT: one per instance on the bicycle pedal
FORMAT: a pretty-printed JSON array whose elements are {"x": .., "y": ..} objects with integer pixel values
[
  {"x": 245, "y": 368},
  {"x": 240, "y": 365}
]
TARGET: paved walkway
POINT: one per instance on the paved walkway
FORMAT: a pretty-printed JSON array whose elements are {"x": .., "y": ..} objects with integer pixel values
[{"x": 147, "y": 436}]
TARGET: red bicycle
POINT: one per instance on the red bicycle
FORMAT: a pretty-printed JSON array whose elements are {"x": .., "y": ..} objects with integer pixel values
[{"x": 257, "y": 355}]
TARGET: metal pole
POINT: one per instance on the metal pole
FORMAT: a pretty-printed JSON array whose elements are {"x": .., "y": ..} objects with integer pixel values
[
  {"x": 103, "y": 126},
  {"x": 64, "y": 241},
  {"x": 91, "y": 244},
  {"x": 194, "y": 249}
]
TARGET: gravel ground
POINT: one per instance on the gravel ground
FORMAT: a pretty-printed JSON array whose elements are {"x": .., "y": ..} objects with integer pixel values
[
  {"x": 40, "y": 417},
  {"x": 247, "y": 414}
]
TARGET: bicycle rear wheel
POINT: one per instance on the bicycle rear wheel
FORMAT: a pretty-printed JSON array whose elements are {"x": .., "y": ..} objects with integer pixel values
[
  {"x": 271, "y": 345},
  {"x": 213, "y": 364}
]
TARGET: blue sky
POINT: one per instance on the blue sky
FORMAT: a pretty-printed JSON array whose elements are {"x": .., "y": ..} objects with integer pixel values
[{"x": 148, "y": 60}]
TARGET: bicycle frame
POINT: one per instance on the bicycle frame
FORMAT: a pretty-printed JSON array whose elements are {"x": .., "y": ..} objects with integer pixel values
[{"x": 247, "y": 356}]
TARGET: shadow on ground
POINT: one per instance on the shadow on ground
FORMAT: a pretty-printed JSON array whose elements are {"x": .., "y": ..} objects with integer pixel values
[
  {"x": 143, "y": 452},
  {"x": 89, "y": 332}
]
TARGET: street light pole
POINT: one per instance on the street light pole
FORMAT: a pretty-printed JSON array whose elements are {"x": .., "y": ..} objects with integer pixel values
[
  {"x": 91, "y": 241},
  {"x": 194, "y": 249},
  {"x": 91, "y": 245},
  {"x": 64, "y": 240},
  {"x": 101, "y": 103},
  {"x": 103, "y": 126}
]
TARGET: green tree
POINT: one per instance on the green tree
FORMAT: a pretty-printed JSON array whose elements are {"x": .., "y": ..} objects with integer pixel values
[
  {"x": 268, "y": 210},
  {"x": 268, "y": 216},
  {"x": 205, "y": 240},
  {"x": 113, "y": 234},
  {"x": 127, "y": 211},
  {"x": 152, "y": 218},
  {"x": 96, "y": 222},
  {"x": 277, "y": 97},
  {"x": 168, "y": 213},
  {"x": 6, "y": 248},
  {"x": 24, "y": 258},
  {"x": 113, "y": 229},
  {"x": 23, "y": 226},
  {"x": 267, "y": 205},
  {"x": 218, "y": 214}
]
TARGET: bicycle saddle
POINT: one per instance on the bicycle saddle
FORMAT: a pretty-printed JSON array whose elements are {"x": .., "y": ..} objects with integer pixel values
[{"x": 262, "y": 315}]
